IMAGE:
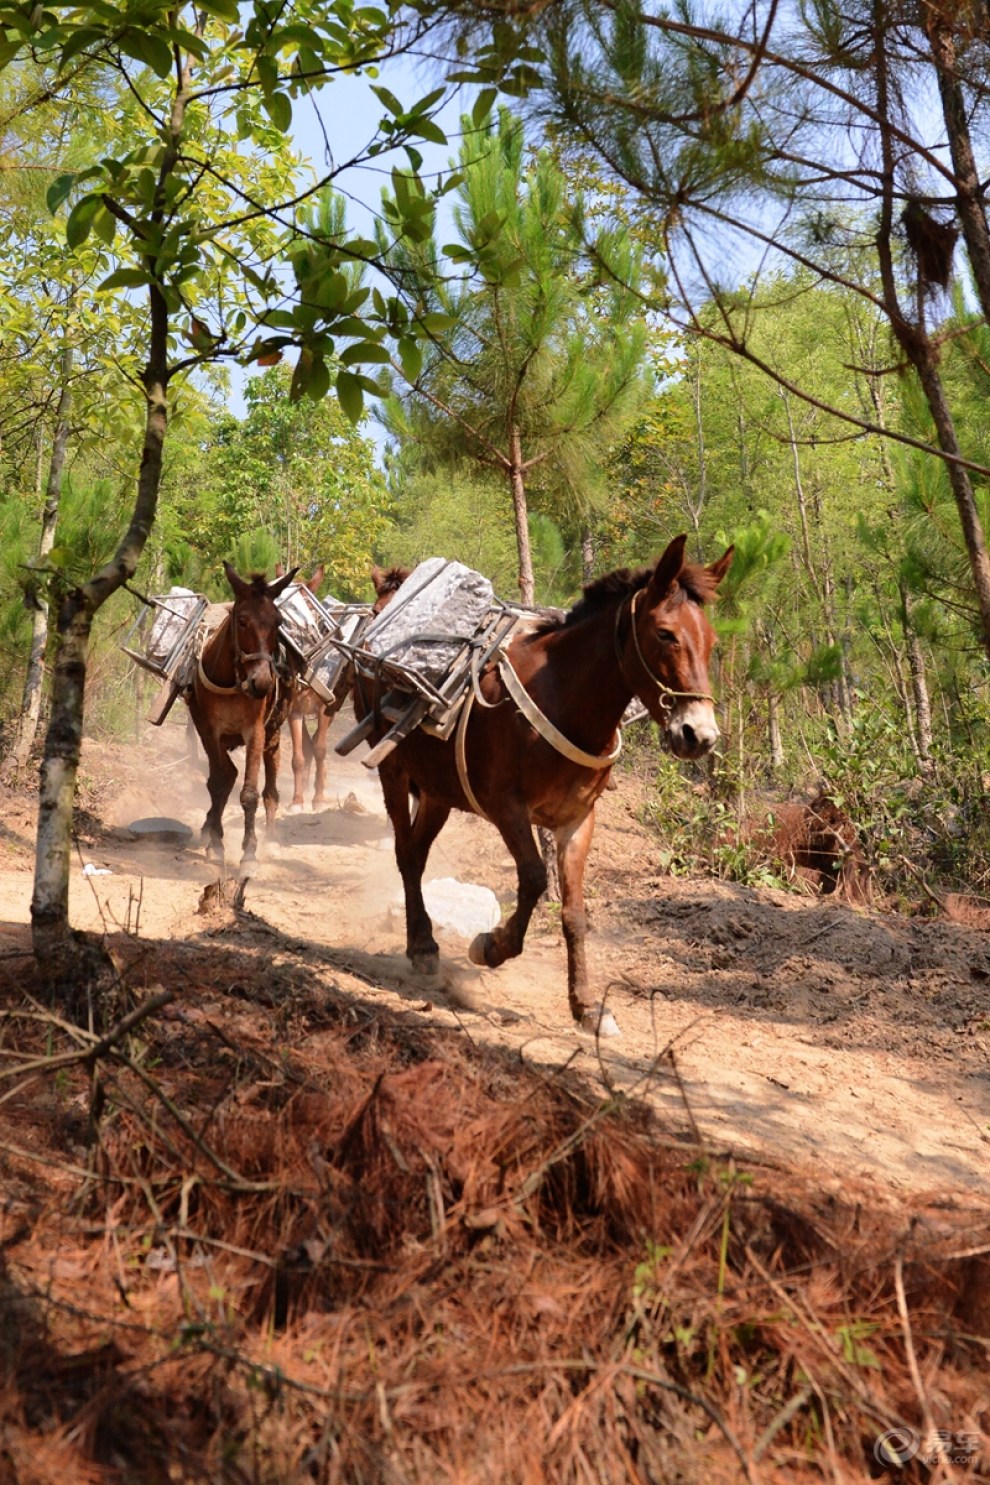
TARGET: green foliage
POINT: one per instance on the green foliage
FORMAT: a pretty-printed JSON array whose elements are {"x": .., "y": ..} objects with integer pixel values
[
  {"x": 535, "y": 360},
  {"x": 297, "y": 474},
  {"x": 453, "y": 513}
]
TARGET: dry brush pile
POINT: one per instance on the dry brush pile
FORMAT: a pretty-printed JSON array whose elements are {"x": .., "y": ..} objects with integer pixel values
[{"x": 272, "y": 1234}]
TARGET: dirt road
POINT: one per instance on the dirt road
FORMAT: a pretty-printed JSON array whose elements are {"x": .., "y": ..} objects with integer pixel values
[{"x": 853, "y": 1042}]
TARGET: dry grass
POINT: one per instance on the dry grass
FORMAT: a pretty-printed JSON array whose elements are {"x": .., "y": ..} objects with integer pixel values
[{"x": 272, "y": 1234}]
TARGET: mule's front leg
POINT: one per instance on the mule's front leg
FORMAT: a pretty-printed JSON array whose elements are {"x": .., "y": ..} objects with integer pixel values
[
  {"x": 506, "y": 941},
  {"x": 573, "y": 844},
  {"x": 222, "y": 775},
  {"x": 255, "y": 743}
]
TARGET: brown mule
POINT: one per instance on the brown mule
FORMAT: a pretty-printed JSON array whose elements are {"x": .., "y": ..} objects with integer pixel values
[
  {"x": 240, "y": 696},
  {"x": 539, "y": 748},
  {"x": 311, "y": 749}
]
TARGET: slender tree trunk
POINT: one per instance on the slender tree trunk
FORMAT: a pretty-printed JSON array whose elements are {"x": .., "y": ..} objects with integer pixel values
[
  {"x": 919, "y": 685},
  {"x": 914, "y": 340},
  {"x": 527, "y": 587},
  {"x": 587, "y": 555},
  {"x": 970, "y": 195},
  {"x": 51, "y": 936},
  {"x": 52, "y": 939},
  {"x": 31, "y": 702},
  {"x": 773, "y": 733}
]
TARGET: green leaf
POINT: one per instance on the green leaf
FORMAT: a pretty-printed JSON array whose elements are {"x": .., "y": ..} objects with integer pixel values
[
  {"x": 104, "y": 225},
  {"x": 427, "y": 129},
  {"x": 483, "y": 106},
  {"x": 149, "y": 49},
  {"x": 435, "y": 322},
  {"x": 279, "y": 109},
  {"x": 411, "y": 357},
  {"x": 319, "y": 381},
  {"x": 350, "y": 395},
  {"x": 302, "y": 375},
  {"x": 365, "y": 351},
  {"x": 227, "y": 10},
  {"x": 124, "y": 278},
  {"x": 81, "y": 220},
  {"x": 390, "y": 101},
  {"x": 59, "y": 191}
]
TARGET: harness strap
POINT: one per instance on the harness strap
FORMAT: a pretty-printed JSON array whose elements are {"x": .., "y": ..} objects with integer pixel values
[
  {"x": 667, "y": 695},
  {"x": 209, "y": 685},
  {"x": 545, "y": 727},
  {"x": 460, "y": 754}
]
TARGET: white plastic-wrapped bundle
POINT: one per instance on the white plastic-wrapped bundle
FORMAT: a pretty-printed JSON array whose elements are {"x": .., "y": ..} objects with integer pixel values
[
  {"x": 175, "y": 615},
  {"x": 439, "y": 606},
  {"x": 305, "y": 620},
  {"x": 349, "y": 619}
]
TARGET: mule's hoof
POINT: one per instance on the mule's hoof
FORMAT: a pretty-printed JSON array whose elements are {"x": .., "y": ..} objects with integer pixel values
[
  {"x": 296, "y": 809},
  {"x": 427, "y": 965},
  {"x": 599, "y": 1021},
  {"x": 477, "y": 949}
]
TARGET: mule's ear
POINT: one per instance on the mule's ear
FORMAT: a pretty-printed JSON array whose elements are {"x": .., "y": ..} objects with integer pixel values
[
  {"x": 665, "y": 573},
  {"x": 281, "y": 583},
  {"x": 378, "y": 580},
  {"x": 241, "y": 589},
  {"x": 314, "y": 582},
  {"x": 720, "y": 568},
  {"x": 279, "y": 569}
]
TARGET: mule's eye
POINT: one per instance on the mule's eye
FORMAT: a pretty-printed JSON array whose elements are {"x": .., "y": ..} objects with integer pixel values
[{"x": 667, "y": 637}]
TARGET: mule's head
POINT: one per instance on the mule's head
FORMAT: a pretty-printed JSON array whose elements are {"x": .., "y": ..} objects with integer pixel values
[
  {"x": 254, "y": 623},
  {"x": 386, "y": 583},
  {"x": 667, "y": 653}
]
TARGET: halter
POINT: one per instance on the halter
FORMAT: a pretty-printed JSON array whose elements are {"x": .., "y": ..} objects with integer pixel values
[
  {"x": 239, "y": 660},
  {"x": 668, "y": 696}
]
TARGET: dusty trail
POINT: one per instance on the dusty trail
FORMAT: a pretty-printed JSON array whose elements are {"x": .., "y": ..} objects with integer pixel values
[{"x": 855, "y": 1042}]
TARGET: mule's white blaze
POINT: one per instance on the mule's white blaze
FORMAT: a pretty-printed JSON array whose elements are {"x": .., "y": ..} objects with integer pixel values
[{"x": 694, "y": 727}]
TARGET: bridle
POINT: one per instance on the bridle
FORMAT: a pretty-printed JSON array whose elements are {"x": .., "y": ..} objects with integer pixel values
[
  {"x": 668, "y": 698},
  {"x": 241, "y": 658}
]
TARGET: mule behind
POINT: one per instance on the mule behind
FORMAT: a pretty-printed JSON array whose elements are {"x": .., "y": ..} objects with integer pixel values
[{"x": 240, "y": 696}]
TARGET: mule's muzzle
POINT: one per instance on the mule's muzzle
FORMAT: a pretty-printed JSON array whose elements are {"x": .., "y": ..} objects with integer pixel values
[
  {"x": 259, "y": 681},
  {"x": 693, "y": 732}
]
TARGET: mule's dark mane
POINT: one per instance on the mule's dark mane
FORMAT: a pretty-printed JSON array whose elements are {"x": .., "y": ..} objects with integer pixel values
[
  {"x": 695, "y": 582},
  {"x": 259, "y": 584},
  {"x": 391, "y": 580}
]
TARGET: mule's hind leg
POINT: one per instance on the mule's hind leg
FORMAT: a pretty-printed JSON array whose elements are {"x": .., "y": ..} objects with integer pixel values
[
  {"x": 573, "y": 844},
  {"x": 506, "y": 941},
  {"x": 413, "y": 839},
  {"x": 299, "y": 735},
  {"x": 273, "y": 749},
  {"x": 319, "y": 746}
]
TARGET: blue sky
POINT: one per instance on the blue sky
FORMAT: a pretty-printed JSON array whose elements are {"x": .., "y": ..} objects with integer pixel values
[{"x": 350, "y": 114}]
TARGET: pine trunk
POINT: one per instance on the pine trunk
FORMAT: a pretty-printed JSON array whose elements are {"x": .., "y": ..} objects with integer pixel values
[{"x": 527, "y": 587}]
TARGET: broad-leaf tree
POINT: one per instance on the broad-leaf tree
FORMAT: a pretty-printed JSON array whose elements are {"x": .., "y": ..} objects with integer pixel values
[{"x": 199, "y": 196}]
